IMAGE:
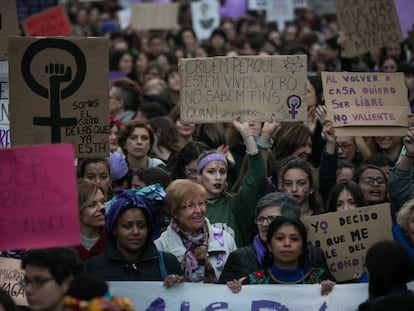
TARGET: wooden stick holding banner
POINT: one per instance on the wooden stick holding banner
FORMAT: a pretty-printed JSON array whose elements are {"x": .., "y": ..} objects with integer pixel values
[
  {"x": 345, "y": 236},
  {"x": 366, "y": 104},
  {"x": 219, "y": 89}
]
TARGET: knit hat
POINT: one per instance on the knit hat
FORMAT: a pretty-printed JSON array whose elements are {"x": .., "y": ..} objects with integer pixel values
[
  {"x": 140, "y": 198},
  {"x": 119, "y": 167}
]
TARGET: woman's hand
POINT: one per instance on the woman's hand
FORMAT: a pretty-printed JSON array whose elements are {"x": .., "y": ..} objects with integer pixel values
[
  {"x": 172, "y": 279},
  {"x": 320, "y": 113},
  {"x": 326, "y": 287},
  {"x": 235, "y": 285},
  {"x": 246, "y": 133},
  {"x": 226, "y": 151},
  {"x": 242, "y": 127},
  {"x": 269, "y": 128},
  {"x": 408, "y": 141}
]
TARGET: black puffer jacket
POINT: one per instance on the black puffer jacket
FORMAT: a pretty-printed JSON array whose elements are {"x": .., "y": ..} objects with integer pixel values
[{"x": 113, "y": 266}]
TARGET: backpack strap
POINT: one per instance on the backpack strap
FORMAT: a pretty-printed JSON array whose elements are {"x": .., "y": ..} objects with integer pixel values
[{"x": 162, "y": 265}]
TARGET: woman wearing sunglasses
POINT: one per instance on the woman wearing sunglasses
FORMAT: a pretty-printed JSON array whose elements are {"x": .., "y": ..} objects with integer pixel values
[{"x": 373, "y": 183}]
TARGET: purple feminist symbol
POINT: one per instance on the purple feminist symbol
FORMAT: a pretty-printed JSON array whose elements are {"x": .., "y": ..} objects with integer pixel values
[{"x": 293, "y": 103}]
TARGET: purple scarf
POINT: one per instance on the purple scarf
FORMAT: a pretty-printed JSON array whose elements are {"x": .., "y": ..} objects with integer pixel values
[
  {"x": 259, "y": 248},
  {"x": 195, "y": 264}
]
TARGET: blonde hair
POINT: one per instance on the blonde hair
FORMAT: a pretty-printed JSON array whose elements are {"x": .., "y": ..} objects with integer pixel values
[
  {"x": 86, "y": 192},
  {"x": 403, "y": 215},
  {"x": 180, "y": 191}
]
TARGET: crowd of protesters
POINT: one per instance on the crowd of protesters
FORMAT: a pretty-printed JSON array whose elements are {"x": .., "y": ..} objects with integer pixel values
[{"x": 222, "y": 202}]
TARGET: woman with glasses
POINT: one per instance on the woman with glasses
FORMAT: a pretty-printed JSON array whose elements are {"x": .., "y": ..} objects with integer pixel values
[
  {"x": 373, "y": 183},
  {"x": 246, "y": 260},
  {"x": 286, "y": 260},
  {"x": 48, "y": 274},
  {"x": 201, "y": 249}
]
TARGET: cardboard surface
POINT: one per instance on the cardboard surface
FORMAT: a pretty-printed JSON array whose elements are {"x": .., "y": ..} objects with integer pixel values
[
  {"x": 280, "y": 11},
  {"x": 9, "y": 25},
  {"x": 52, "y": 22},
  {"x": 154, "y": 15},
  {"x": 4, "y": 105},
  {"x": 368, "y": 24},
  {"x": 218, "y": 89},
  {"x": 346, "y": 236},
  {"x": 59, "y": 89},
  {"x": 206, "y": 18},
  {"x": 10, "y": 276},
  {"x": 366, "y": 104},
  {"x": 38, "y": 197}
]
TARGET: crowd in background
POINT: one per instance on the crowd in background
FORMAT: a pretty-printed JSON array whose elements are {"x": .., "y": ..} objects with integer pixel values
[{"x": 222, "y": 202}]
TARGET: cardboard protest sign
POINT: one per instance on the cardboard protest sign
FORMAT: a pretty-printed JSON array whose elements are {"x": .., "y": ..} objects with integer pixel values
[
  {"x": 323, "y": 7},
  {"x": 10, "y": 276},
  {"x": 59, "y": 89},
  {"x": 218, "y": 89},
  {"x": 256, "y": 5},
  {"x": 366, "y": 104},
  {"x": 9, "y": 25},
  {"x": 124, "y": 18},
  {"x": 206, "y": 18},
  {"x": 346, "y": 236},
  {"x": 154, "y": 15},
  {"x": 280, "y": 11},
  {"x": 300, "y": 4},
  {"x": 368, "y": 24},
  {"x": 4, "y": 105},
  {"x": 38, "y": 197},
  {"x": 52, "y": 22}
]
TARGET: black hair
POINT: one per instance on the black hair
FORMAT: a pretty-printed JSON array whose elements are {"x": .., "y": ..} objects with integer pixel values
[
  {"x": 86, "y": 161},
  {"x": 389, "y": 267},
  {"x": 365, "y": 167},
  {"x": 297, "y": 223},
  {"x": 349, "y": 186},
  {"x": 87, "y": 286},
  {"x": 62, "y": 262}
]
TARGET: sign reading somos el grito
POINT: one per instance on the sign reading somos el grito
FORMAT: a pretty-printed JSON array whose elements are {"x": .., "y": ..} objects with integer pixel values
[
  {"x": 219, "y": 89},
  {"x": 59, "y": 90},
  {"x": 345, "y": 236}
]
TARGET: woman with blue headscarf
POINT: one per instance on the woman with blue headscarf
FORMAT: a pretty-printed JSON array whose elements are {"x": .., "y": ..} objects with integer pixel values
[{"x": 130, "y": 252}]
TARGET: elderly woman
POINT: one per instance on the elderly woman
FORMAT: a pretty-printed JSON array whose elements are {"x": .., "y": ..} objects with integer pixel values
[
  {"x": 403, "y": 228},
  {"x": 91, "y": 200},
  {"x": 201, "y": 249},
  {"x": 130, "y": 252}
]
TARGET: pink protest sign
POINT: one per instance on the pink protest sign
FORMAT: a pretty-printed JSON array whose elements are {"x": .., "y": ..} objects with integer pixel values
[{"x": 38, "y": 197}]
